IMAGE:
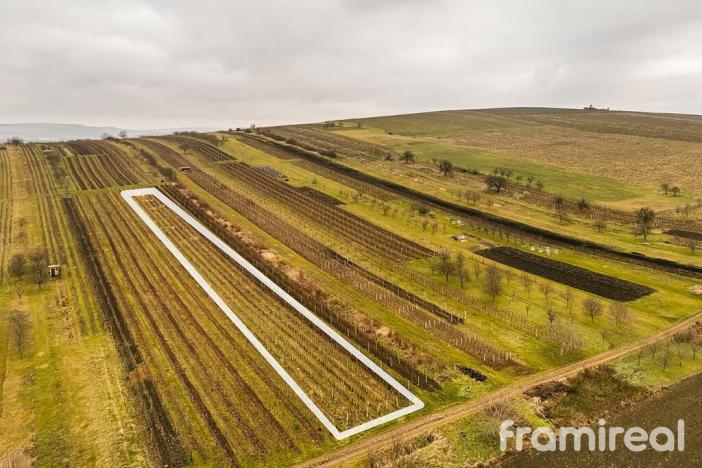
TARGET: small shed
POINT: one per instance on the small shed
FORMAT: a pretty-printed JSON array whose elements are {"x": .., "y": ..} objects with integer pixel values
[{"x": 54, "y": 271}]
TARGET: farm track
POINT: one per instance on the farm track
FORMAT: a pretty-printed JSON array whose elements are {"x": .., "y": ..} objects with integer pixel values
[
  {"x": 497, "y": 222},
  {"x": 317, "y": 362},
  {"x": 430, "y": 422},
  {"x": 398, "y": 300}
]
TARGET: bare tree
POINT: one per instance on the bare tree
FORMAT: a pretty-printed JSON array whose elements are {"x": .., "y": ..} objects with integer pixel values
[
  {"x": 644, "y": 221},
  {"x": 460, "y": 266},
  {"x": 546, "y": 289},
  {"x": 493, "y": 281},
  {"x": 560, "y": 207},
  {"x": 444, "y": 264},
  {"x": 592, "y": 307},
  {"x": 408, "y": 156},
  {"x": 18, "y": 289},
  {"x": 692, "y": 244},
  {"x": 39, "y": 262},
  {"x": 19, "y": 331},
  {"x": 569, "y": 297},
  {"x": 550, "y": 313},
  {"x": 600, "y": 225},
  {"x": 474, "y": 196},
  {"x": 527, "y": 282},
  {"x": 620, "y": 314},
  {"x": 122, "y": 134},
  {"x": 476, "y": 270},
  {"x": 665, "y": 186}
]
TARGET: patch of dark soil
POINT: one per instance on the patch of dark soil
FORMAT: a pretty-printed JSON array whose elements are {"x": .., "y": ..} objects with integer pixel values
[
  {"x": 685, "y": 234},
  {"x": 473, "y": 374},
  {"x": 571, "y": 275}
]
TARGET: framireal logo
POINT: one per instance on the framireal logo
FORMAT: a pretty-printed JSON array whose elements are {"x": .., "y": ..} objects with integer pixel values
[{"x": 603, "y": 438}]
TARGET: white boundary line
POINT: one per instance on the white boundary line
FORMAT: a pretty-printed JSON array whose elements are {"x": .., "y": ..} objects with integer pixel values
[{"x": 416, "y": 405}]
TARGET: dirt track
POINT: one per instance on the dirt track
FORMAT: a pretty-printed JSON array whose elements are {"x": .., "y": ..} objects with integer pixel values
[{"x": 429, "y": 422}]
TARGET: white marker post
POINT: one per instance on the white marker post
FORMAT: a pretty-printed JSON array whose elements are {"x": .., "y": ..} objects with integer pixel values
[{"x": 416, "y": 405}]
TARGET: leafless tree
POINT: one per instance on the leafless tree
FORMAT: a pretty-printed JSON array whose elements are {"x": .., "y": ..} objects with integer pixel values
[
  {"x": 592, "y": 307},
  {"x": 600, "y": 225},
  {"x": 476, "y": 270},
  {"x": 444, "y": 264},
  {"x": 19, "y": 330},
  {"x": 620, "y": 314},
  {"x": 460, "y": 266},
  {"x": 18, "y": 289},
  {"x": 493, "y": 281},
  {"x": 546, "y": 289},
  {"x": 550, "y": 313},
  {"x": 692, "y": 244},
  {"x": 527, "y": 282},
  {"x": 39, "y": 262},
  {"x": 569, "y": 297}
]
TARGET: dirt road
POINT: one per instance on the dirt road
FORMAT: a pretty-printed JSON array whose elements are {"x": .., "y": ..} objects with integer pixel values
[{"x": 430, "y": 422}]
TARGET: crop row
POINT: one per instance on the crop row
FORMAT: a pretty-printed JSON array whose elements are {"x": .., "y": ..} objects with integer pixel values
[
  {"x": 212, "y": 153},
  {"x": 98, "y": 171}
]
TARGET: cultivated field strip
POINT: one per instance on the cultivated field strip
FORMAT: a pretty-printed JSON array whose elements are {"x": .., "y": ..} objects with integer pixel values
[
  {"x": 352, "y": 228},
  {"x": 325, "y": 142},
  {"x": 210, "y": 152},
  {"x": 99, "y": 171},
  {"x": 210, "y": 376},
  {"x": 344, "y": 385},
  {"x": 306, "y": 161}
]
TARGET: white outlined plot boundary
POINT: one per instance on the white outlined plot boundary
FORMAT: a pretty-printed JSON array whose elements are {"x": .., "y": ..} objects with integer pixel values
[{"x": 416, "y": 405}]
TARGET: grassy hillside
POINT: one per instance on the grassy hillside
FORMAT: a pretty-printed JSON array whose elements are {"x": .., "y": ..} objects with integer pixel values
[{"x": 638, "y": 150}]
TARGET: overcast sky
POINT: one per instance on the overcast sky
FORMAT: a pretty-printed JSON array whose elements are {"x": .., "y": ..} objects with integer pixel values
[{"x": 171, "y": 63}]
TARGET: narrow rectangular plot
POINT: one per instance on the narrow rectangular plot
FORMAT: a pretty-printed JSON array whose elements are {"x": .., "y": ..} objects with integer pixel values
[{"x": 317, "y": 395}]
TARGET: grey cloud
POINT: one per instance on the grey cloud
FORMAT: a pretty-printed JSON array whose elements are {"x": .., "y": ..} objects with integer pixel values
[{"x": 158, "y": 63}]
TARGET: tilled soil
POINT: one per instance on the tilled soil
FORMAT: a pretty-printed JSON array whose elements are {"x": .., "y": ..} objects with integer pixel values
[{"x": 603, "y": 285}]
